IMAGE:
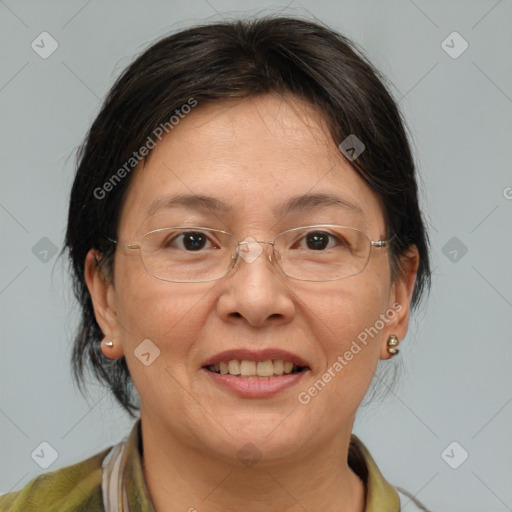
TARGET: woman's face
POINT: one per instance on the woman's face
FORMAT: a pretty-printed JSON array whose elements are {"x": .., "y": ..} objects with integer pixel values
[{"x": 252, "y": 157}]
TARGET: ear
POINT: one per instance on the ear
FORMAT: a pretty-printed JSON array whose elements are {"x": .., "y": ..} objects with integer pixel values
[
  {"x": 103, "y": 297},
  {"x": 400, "y": 299}
]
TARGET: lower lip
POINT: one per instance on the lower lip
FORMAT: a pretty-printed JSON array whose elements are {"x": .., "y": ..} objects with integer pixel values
[{"x": 247, "y": 387}]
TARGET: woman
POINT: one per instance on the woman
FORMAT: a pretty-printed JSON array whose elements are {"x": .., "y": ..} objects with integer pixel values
[{"x": 246, "y": 245}]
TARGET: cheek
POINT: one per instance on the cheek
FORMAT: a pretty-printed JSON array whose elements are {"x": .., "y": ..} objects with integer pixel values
[
  {"x": 168, "y": 314},
  {"x": 347, "y": 329},
  {"x": 345, "y": 312},
  {"x": 171, "y": 317}
]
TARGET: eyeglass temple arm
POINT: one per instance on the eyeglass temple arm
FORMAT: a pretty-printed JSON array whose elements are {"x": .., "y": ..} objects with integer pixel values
[
  {"x": 382, "y": 243},
  {"x": 135, "y": 245}
]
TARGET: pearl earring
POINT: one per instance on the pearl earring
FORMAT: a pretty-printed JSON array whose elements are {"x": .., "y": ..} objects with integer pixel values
[{"x": 392, "y": 344}]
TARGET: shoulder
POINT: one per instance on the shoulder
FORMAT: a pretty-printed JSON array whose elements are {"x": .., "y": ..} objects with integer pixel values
[
  {"x": 74, "y": 488},
  {"x": 409, "y": 501},
  {"x": 380, "y": 494}
]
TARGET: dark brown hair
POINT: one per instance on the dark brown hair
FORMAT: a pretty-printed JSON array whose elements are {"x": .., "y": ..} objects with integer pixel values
[{"x": 227, "y": 60}]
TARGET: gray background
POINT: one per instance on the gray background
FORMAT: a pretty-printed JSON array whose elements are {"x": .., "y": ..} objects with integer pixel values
[{"x": 456, "y": 384}]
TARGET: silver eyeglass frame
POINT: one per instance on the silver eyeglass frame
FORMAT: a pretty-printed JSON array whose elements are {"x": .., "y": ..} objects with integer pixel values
[{"x": 273, "y": 257}]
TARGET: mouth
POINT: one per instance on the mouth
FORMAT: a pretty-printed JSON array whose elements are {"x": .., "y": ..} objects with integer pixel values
[
  {"x": 244, "y": 368},
  {"x": 256, "y": 374}
]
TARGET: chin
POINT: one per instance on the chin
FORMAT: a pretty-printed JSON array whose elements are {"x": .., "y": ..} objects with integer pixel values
[{"x": 263, "y": 437}]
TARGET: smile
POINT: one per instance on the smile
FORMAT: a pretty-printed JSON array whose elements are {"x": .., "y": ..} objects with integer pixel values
[{"x": 260, "y": 369}]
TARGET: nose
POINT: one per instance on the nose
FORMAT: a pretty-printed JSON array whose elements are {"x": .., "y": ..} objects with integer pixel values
[
  {"x": 255, "y": 290},
  {"x": 250, "y": 250}
]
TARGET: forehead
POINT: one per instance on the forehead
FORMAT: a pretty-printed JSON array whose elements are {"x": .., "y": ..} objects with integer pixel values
[{"x": 255, "y": 158}]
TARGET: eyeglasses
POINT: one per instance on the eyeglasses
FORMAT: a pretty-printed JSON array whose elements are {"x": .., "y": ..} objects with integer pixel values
[{"x": 322, "y": 252}]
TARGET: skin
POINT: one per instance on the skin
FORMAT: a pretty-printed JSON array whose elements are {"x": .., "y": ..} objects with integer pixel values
[{"x": 251, "y": 154}]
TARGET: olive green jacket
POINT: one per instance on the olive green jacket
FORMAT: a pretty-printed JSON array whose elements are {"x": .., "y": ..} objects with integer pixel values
[{"x": 78, "y": 488}]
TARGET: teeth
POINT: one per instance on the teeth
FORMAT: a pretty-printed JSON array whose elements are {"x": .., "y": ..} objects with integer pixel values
[
  {"x": 244, "y": 368},
  {"x": 234, "y": 367},
  {"x": 265, "y": 368},
  {"x": 279, "y": 367},
  {"x": 247, "y": 368},
  {"x": 288, "y": 367}
]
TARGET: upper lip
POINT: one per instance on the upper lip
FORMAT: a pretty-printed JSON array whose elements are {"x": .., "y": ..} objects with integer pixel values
[{"x": 256, "y": 355}]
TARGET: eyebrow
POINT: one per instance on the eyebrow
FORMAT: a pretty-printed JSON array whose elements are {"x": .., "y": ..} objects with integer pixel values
[
  {"x": 191, "y": 201},
  {"x": 305, "y": 202},
  {"x": 309, "y": 202}
]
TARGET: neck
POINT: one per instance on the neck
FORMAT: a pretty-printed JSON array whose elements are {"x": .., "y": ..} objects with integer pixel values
[{"x": 181, "y": 478}]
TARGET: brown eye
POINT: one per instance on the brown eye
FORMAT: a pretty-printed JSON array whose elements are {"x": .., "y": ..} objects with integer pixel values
[
  {"x": 322, "y": 241},
  {"x": 188, "y": 241},
  {"x": 194, "y": 241},
  {"x": 317, "y": 240}
]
